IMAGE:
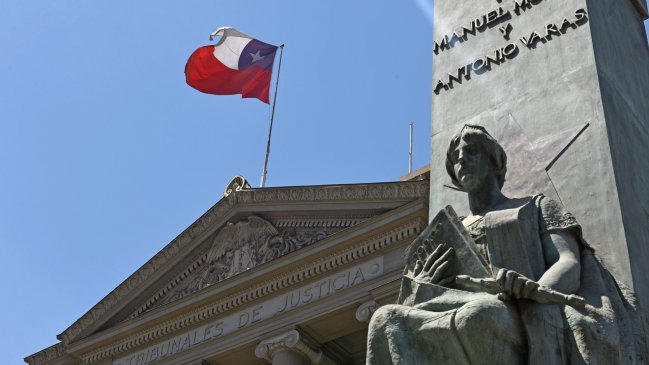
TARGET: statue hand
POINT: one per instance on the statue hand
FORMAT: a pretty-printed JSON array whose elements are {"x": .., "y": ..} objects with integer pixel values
[
  {"x": 437, "y": 268},
  {"x": 515, "y": 285}
]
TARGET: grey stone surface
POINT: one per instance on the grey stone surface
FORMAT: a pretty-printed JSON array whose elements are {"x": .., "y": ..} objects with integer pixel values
[
  {"x": 594, "y": 72},
  {"x": 622, "y": 59}
]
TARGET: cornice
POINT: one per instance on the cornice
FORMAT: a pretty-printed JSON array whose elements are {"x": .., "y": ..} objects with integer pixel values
[
  {"x": 300, "y": 221},
  {"x": 51, "y": 353},
  {"x": 406, "y": 231},
  {"x": 397, "y": 191}
]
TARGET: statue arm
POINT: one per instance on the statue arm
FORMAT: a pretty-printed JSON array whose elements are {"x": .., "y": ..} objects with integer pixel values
[
  {"x": 561, "y": 254},
  {"x": 561, "y": 251}
]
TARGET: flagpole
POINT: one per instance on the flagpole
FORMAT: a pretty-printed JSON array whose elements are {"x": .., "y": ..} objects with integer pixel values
[
  {"x": 272, "y": 116},
  {"x": 410, "y": 155}
]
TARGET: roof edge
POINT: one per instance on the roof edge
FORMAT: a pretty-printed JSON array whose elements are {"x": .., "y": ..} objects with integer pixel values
[{"x": 51, "y": 353}]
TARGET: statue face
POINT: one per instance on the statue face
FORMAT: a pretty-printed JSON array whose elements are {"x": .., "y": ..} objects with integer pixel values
[{"x": 471, "y": 165}]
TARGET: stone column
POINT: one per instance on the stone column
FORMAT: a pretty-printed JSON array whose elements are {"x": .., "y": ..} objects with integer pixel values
[
  {"x": 288, "y": 349},
  {"x": 366, "y": 310}
]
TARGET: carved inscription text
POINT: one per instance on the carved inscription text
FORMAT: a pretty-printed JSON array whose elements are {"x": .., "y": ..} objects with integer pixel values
[{"x": 506, "y": 52}]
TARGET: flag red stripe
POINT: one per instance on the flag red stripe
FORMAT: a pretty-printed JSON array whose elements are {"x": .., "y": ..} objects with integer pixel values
[{"x": 207, "y": 74}]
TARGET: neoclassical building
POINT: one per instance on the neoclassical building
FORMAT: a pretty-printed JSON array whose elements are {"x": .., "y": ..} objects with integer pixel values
[{"x": 286, "y": 275}]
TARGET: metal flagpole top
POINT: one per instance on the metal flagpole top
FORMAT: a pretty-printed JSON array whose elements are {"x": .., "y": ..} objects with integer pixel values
[{"x": 272, "y": 116}]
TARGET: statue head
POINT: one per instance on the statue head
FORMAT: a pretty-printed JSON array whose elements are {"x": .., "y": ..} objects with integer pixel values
[{"x": 478, "y": 136}]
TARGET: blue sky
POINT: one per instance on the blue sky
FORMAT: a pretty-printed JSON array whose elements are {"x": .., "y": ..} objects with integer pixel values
[{"x": 107, "y": 155}]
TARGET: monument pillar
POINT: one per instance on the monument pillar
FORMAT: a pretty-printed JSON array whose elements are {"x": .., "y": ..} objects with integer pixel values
[
  {"x": 289, "y": 349},
  {"x": 564, "y": 86}
]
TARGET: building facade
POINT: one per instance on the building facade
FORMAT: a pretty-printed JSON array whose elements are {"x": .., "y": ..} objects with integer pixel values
[{"x": 286, "y": 275}]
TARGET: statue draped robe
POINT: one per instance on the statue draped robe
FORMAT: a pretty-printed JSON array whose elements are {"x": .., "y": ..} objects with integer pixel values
[{"x": 433, "y": 324}]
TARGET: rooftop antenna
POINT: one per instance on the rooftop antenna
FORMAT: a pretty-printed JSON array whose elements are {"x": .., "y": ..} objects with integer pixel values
[{"x": 410, "y": 159}]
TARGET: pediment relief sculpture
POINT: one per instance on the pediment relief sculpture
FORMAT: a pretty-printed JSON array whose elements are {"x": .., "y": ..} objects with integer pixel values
[
  {"x": 243, "y": 245},
  {"x": 512, "y": 283},
  {"x": 238, "y": 247}
]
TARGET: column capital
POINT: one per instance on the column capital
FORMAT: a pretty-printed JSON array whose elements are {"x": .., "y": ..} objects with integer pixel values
[
  {"x": 288, "y": 341},
  {"x": 365, "y": 311}
]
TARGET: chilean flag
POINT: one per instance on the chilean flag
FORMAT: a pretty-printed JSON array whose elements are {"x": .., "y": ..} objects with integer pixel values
[{"x": 237, "y": 64}]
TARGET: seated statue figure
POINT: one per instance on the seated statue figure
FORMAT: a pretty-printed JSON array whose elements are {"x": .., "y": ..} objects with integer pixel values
[{"x": 530, "y": 245}]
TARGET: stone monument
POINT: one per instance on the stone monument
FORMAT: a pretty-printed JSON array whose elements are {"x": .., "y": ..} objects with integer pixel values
[
  {"x": 564, "y": 86},
  {"x": 512, "y": 278}
]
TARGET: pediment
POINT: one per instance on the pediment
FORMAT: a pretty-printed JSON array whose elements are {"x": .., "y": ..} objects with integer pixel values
[
  {"x": 245, "y": 244},
  {"x": 243, "y": 231}
]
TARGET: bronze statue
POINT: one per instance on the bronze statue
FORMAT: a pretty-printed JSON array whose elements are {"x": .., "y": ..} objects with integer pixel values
[{"x": 544, "y": 297}]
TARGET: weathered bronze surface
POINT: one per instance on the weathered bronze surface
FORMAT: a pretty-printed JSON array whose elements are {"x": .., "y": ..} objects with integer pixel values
[{"x": 512, "y": 283}]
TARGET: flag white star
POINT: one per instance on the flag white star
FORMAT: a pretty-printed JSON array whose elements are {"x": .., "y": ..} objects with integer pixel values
[{"x": 256, "y": 56}]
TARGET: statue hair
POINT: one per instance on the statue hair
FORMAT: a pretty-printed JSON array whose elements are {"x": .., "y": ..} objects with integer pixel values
[{"x": 478, "y": 135}]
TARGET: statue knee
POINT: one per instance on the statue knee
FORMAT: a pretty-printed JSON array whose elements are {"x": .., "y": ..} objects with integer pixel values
[
  {"x": 487, "y": 314},
  {"x": 387, "y": 314}
]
